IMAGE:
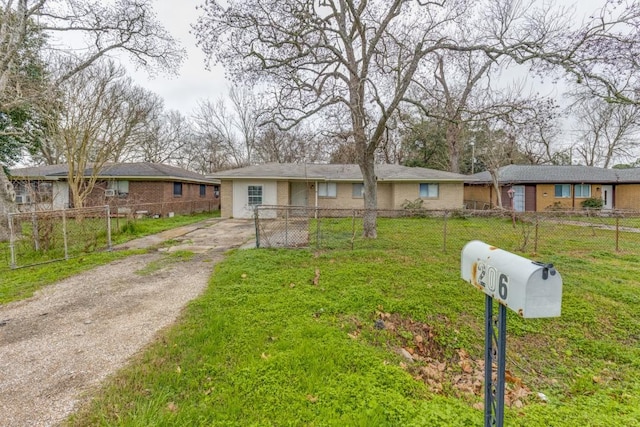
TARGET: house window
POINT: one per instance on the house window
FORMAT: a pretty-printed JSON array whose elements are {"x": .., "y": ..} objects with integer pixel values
[
  {"x": 203, "y": 190},
  {"x": 563, "y": 191},
  {"x": 428, "y": 191},
  {"x": 582, "y": 190},
  {"x": 177, "y": 189},
  {"x": 255, "y": 195},
  {"x": 44, "y": 191},
  {"x": 120, "y": 188},
  {"x": 357, "y": 190},
  {"x": 327, "y": 189}
]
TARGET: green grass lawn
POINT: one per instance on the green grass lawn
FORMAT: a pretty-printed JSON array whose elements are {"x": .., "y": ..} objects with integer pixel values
[
  {"x": 17, "y": 284},
  {"x": 289, "y": 338}
]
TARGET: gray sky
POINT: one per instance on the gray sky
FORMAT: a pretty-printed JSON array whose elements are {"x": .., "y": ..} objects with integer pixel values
[{"x": 194, "y": 82}]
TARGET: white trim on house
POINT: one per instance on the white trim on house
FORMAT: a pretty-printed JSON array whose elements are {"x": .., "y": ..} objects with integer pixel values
[{"x": 241, "y": 207}]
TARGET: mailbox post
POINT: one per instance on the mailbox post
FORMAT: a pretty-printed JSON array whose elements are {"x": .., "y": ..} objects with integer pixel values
[{"x": 531, "y": 289}]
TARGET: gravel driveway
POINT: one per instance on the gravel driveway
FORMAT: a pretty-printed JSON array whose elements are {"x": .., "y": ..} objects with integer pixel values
[{"x": 63, "y": 342}]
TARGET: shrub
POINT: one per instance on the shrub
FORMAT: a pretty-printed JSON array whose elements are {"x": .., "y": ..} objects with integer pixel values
[
  {"x": 592, "y": 203},
  {"x": 409, "y": 205}
]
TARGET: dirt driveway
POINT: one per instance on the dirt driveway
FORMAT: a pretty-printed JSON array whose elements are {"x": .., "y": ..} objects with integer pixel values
[{"x": 64, "y": 341}]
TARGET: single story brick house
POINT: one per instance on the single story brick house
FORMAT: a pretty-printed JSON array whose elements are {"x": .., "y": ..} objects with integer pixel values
[
  {"x": 170, "y": 188},
  {"x": 544, "y": 187},
  {"x": 338, "y": 186}
]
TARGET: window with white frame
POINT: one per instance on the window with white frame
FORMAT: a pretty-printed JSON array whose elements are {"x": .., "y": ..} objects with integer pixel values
[
  {"x": 254, "y": 193},
  {"x": 357, "y": 190},
  {"x": 428, "y": 190},
  {"x": 562, "y": 191},
  {"x": 120, "y": 187},
  {"x": 327, "y": 189},
  {"x": 582, "y": 190}
]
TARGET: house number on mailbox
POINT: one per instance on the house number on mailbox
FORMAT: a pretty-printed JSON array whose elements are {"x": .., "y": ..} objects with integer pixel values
[{"x": 490, "y": 278}]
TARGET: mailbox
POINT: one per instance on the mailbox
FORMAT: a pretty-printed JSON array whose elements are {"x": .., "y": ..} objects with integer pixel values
[{"x": 531, "y": 289}]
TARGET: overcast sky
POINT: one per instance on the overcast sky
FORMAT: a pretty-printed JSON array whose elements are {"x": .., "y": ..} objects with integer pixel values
[{"x": 194, "y": 82}]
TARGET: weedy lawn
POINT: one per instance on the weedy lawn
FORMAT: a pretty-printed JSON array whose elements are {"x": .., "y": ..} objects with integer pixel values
[
  {"x": 18, "y": 284},
  {"x": 323, "y": 338}
]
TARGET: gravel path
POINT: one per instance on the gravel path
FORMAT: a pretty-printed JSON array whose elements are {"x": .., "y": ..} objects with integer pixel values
[{"x": 64, "y": 341}]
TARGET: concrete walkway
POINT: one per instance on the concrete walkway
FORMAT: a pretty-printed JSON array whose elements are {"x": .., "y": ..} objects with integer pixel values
[{"x": 198, "y": 237}]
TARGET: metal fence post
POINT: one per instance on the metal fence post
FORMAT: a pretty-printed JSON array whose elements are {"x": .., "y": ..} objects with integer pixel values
[
  {"x": 34, "y": 231},
  {"x": 353, "y": 228},
  {"x": 256, "y": 220},
  {"x": 12, "y": 240},
  {"x": 108, "y": 215},
  {"x": 64, "y": 234},
  {"x": 617, "y": 233},
  {"x": 535, "y": 240},
  {"x": 286, "y": 227},
  {"x": 317, "y": 228},
  {"x": 444, "y": 243}
]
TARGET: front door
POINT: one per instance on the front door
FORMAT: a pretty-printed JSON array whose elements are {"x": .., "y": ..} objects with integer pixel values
[
  {"x": 518, "y": 198},
  {"x": 298, "y": 194},
  {"x": 607, "y": 197}
]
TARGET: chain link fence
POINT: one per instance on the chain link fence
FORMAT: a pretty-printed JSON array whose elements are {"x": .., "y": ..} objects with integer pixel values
[
  {"x": 41, "y": 236},
  {"x": 527, "y": 232},
  {"x": 44, "y": 236}
]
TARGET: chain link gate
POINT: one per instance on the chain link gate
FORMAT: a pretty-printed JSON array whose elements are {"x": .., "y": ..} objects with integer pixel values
[
  {"x": 282, "y": 226},
  {"x": 39, "y": 237}
]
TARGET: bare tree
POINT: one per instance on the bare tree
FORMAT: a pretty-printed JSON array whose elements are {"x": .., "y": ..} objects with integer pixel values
[
  {"x": 102, "y": 113},
  {"x": 360, "y": 56},
  {"x": 232, "y": 123},
  {"x": 166, "y": 138},
  {"x": 363, "y": 55},
  {"x": 455, "y": 96},
  {"x": 124, "y": 25},
  {"x": 297, "y": 145},
  {"x": 499, "y": 148},
  {"x": 606, "y": 131}
]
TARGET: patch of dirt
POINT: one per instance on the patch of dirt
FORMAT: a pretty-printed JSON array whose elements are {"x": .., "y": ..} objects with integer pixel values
[{"x": 62, "y": 343}]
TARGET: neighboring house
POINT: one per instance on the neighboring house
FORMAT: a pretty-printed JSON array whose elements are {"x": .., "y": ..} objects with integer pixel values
[
  {"x": 540, "y": 188},
  {"x": 334, "y": 186},
  {"x": 119, "y": 185}
]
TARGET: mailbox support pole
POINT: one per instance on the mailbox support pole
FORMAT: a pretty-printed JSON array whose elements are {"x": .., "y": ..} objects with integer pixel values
[{"x": 495, "y": 346}]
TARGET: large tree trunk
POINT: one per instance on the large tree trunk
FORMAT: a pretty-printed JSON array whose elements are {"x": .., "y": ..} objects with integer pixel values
[
  {"x": 369, "y": 219},
  {"x": 453, "y": 132},
  {"x": 7, "y": 205},
  {"x": 496, "y": 185}
]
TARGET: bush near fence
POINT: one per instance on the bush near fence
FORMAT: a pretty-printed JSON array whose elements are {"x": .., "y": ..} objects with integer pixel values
[{"x": 525, "y": 232}]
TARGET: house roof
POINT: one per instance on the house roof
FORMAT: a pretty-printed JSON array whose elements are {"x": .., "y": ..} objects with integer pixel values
[
  {"x": 333, "y": 172},
  {"x": 140, "y": 171},
  {"x": 38, "y": 171},
  {"x": 530, "y": 174}
]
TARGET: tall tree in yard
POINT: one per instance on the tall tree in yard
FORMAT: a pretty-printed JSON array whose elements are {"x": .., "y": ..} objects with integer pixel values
[
  {"x": 119, "y": 26},
  {"x": 102, "y": 111},
  {"x": 607, "y": 131},
  {"x": 359, "y": 56}
]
